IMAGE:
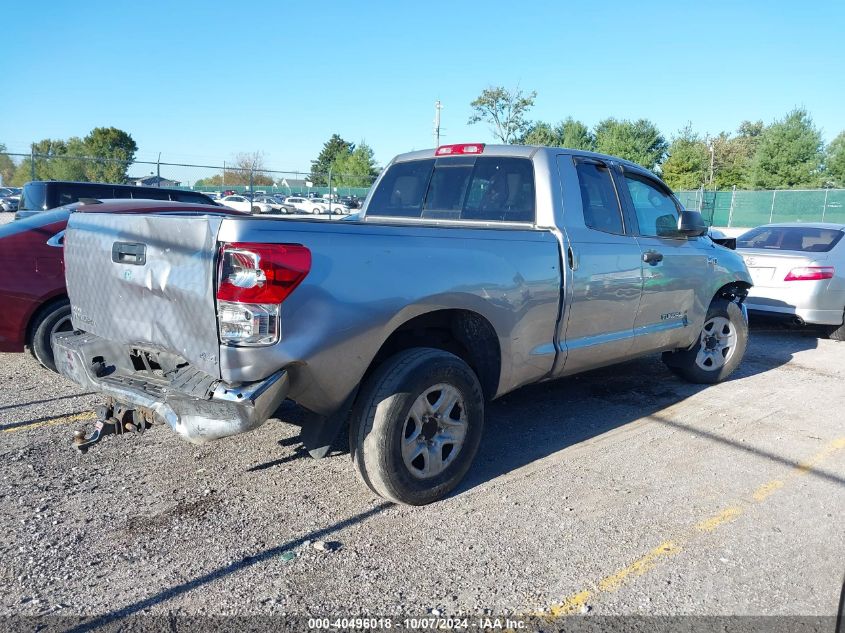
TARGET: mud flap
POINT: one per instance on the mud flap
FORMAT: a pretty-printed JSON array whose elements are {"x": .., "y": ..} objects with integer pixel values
[{"x": 319, "y": 431}]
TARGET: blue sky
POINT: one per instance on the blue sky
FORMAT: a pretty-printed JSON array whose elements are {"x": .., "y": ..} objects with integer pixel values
[{"x": 201, "y": 81}]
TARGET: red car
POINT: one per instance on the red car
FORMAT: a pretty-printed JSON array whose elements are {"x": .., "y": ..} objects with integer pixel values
[{"x": 33, "y": 298}]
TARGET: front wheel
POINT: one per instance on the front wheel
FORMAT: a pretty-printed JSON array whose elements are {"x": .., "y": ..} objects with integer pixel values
[
  {"x": 416, "y": 426},
  {"x": 719, "y": 349}
]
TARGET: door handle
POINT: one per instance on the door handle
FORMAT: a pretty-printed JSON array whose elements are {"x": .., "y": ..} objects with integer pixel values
[
  {"x": 652, "y": 257},
  {"x": 570, "y": 258}
]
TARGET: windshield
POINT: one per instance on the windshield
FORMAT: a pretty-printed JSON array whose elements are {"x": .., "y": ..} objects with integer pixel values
[{"x": 805, "y": 239}]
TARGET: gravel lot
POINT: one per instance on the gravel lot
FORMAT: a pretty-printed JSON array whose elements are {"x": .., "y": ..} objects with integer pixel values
[{"x": 623, "y": 491}]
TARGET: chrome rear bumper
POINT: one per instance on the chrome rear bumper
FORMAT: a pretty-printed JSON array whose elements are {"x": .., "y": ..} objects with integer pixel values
[{"x": 196, "y": 406}]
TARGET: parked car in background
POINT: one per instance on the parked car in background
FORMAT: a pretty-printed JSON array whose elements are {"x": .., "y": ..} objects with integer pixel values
[
  {"x": 305, "y": 205},
  {"x": 9, "y": 199},
  {"x": 332, "y": 207},
  {"x": 461, "y": 280},
  {"x": 238, "y": 202},
  {"x": 263, "y": 204},
  {"x": 284, "y": 207},
  {"x": 273, "y": 205},
  {"x": 799, "y": 273},
  {"x": 353, "y": 202},
  {"x": 41, "y": 195},
  {"x": 32, "y": 275}
]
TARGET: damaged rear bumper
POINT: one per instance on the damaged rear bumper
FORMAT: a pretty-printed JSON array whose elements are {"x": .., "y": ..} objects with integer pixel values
[{"x": 196, "y": 406}]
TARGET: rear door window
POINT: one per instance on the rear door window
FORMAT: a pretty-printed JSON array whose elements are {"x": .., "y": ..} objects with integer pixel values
[
  {"x": 599, "y": 200},
  {"x": 806, "y": 239},
  {"x": 485, "y": 188},
  {"x": 68, "y": 193},
  {"x": 193, "y": 198}
]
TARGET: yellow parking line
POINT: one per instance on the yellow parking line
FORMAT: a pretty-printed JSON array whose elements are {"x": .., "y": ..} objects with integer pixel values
[
  {"x": 725, "y": 516},
  {"x": 65, "y": 419},
  {"x": 766, "y": 489},
  {"x": 575, "y": 602}
]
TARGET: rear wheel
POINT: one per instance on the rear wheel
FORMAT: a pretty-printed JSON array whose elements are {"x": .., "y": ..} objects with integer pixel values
[
  {"x": 719, "y": 349},
  {"x": 416, "y": 426},
  {"x": 55, "y": 318}
]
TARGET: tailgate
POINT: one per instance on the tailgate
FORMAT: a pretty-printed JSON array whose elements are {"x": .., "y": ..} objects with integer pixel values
[{"x": 146, "y": 281}]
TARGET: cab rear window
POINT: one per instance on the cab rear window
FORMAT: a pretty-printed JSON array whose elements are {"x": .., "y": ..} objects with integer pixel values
[
  {"x": 806, "y": 239},
  {"x": 484, "y": 188}
]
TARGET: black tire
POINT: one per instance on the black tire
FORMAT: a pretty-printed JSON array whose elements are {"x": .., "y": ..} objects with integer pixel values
[
  {"x": 56, "y": 317},
  {"x": 684, "y": 363},
  {"x": 382, "y": 413}
]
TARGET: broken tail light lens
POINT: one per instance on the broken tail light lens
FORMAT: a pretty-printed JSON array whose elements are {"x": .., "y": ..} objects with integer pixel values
[
  {"x": 253, "y": 281},
  {"x": 810, "y": 273}
]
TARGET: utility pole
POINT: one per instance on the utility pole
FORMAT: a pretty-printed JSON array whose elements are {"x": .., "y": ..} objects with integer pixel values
[
  {"x": 437, "y": 108},
  {"x": 158, "y": 169},
  {"x": 712, "y": 156}
]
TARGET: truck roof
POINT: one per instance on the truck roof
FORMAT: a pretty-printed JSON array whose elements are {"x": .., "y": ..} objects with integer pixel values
[{"x": 519, "y": 151}]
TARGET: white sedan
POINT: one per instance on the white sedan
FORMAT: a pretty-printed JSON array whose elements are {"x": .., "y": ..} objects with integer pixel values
[
  {"x": 333, "y": 207},
  {"x": 306, "y": 205},
  {"x": 797, "y": 270},
  {"x": 239, "y": 203}
]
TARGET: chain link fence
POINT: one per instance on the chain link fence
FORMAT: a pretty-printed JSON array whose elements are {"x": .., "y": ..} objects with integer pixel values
[
  {"x": 204, "y": 178},
  {"x": 747, "y": 209}
]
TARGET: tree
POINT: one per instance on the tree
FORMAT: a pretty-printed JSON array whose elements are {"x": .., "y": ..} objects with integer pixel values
[
  {"x": 733, "y": 155},
  {"x": 569, "y": 133},
  {"x": 638, "y": 141},
  {"x": 357, "y": 169},
  {"x": 575, "y": 135},
  {"x": 836, "y": 160},
  {"x": 333, "y": 149},
  {"x": 688, "y": 163},
  {"x": 540, "y": 133},
  {"x": 238, "y": 172},
  {"x": 7, "y": 167},
  {"x": 114, "y": 145},
  {"x": 504, "y": 110},
  {"x": 789, "y": 154}
]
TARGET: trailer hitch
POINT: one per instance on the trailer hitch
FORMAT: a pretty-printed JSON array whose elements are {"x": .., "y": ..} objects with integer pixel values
[{"x": 112, "y": 419}]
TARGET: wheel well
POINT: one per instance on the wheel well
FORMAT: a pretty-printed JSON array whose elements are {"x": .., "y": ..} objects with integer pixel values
[
  {"x": 464, "y": 333},
  {"x": 734, "y": 291},
  {"x": 39, "y": 312}
]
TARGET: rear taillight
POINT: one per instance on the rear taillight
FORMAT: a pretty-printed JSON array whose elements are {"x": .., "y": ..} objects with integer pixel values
[
  {"x": 810, "y": 273},
  {"x": 253, "y": 280},
  {"x": 459, "y": 148}
]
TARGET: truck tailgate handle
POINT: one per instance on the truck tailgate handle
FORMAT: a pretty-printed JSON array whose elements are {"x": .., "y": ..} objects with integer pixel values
[
  {"x": 652, "y": 257},
  {"x": 129, "y": 253}
]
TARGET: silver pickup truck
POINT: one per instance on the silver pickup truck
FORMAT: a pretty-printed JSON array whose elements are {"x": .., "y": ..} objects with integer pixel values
[{"x": 471, "y": 271}]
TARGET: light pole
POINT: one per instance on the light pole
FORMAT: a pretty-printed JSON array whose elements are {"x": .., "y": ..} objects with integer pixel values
[{"x": 437, "y": 108}]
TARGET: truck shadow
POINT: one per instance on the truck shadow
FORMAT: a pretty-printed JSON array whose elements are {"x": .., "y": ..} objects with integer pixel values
[{"x": 539, "y": 420}]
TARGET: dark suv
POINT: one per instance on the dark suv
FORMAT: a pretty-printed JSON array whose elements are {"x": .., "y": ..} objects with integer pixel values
[{"x": 41, "y": 195}]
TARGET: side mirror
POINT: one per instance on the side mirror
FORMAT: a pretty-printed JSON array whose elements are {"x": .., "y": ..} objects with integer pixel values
[{"x": 691, "y": 224}]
